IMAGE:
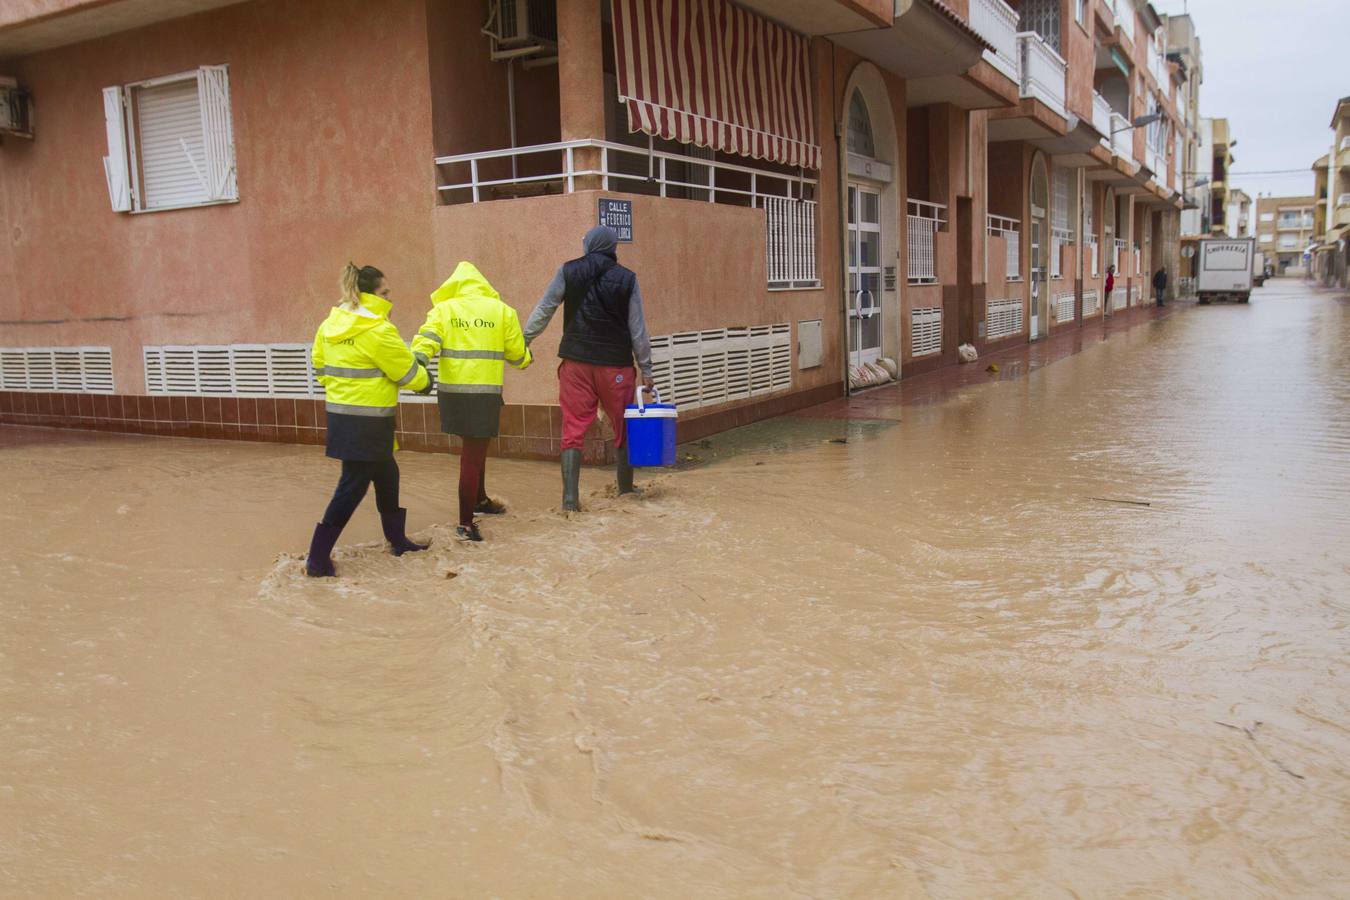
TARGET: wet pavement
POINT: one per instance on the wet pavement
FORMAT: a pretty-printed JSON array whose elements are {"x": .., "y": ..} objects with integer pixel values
[{"x": 1077, "y": 629}]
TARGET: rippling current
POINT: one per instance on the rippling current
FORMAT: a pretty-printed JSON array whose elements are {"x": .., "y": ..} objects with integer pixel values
[{"x": 1077, "y": 633}]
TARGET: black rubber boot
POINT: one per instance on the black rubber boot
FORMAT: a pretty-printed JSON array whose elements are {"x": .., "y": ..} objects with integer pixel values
[
  {"x": 624, "y": 474},
  {"x": 394, "y": 523},
  {"x": 319, "y": 563},
  {"x": 571, "y": 476}
]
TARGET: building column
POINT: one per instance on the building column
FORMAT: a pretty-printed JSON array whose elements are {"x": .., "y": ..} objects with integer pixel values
[{"x": 581, "y": 81}]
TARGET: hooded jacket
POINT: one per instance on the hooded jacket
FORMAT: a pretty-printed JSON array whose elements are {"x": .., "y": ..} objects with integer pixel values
[
  {"x": 473, "y": 333},
  {"x": 362, "y": 363}
]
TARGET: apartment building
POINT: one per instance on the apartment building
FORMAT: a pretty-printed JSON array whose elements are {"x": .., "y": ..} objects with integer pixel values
[
  {"x": 1284, "y": 229},
  {"x": 803, "y": 189},
  {"x": 1239, "y": 217},
  {"x": 1331, "y": 216}
]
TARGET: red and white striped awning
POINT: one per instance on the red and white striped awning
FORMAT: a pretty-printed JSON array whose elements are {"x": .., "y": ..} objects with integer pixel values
[{"x": 708, "y": 73}]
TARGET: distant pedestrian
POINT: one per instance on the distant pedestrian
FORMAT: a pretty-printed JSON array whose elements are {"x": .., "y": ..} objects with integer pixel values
[
  {"x": 1160, "y": 285},
  {"x": 603, "y": 330},
  {"x": 474, "y": 334},
  {"x": 1110, "y": 286},
  {"x": 362, "y": 363}
]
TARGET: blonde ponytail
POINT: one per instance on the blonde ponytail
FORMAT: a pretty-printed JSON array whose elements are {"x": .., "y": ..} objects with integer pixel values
[{"x": 351, "y": 294}]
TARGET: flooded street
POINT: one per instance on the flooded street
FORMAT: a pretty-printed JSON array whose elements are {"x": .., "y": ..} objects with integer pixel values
[{"x": 1077, "y": 632}]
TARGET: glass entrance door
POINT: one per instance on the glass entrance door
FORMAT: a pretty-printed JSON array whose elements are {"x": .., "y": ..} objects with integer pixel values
[
  {"x": 864, "y": 275},
  {"x": 1037, "y": 278}
]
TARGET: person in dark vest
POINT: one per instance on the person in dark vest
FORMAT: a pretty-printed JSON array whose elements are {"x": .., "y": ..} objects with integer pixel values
[
  {"x": 603, "y": 331},
  {"x": 1160, "y": 284}
]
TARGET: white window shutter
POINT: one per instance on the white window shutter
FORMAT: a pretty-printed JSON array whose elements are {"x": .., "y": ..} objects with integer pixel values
[
  {"x": 115, "y": 163},
  {"x": 213, "y": 90}
]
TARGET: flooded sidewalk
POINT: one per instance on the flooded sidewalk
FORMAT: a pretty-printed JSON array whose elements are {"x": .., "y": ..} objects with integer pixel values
[{"x": 1081, "y": 631}]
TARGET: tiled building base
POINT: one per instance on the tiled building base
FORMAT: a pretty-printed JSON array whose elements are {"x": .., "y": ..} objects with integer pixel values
[{"x": 527, "y": 431}]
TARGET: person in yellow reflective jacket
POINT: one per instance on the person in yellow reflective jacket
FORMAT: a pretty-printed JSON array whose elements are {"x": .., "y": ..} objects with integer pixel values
[
  {"x": 362, "y": 364},
  {"x": 474, "y": 335}
]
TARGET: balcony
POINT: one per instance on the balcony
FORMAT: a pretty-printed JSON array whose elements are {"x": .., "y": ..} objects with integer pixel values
[
  {"x": 1343, "y": 200},
  {"x": 1011, "y": 231},
  {"x": 1124, "y": 11},
  {"x": 1101, "y": 118},
  {"x": 1154, "y": 161},
  {"x": 567, "y": 167},
  {"x": 1122, "y": 141},
  {"x": 1042, "y": 71},
  {"x": 996, "y": 22}
]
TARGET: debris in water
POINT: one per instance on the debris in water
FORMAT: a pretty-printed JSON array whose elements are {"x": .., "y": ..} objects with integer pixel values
[
  {"x": 992, "y": 367},
  {"x": 838, "y": 440},
  {"x": 1126, "y": 502},
  {"x": 451, "y": 573}
]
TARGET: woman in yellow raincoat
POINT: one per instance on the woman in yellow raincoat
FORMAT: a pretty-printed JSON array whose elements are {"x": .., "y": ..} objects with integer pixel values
[
  {"x": 474, "y": 335},
  {"x": 362, "y": 363}
]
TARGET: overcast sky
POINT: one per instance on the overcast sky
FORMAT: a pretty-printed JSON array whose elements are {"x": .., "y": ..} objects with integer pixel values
[{"x": 1274, "y": 69}]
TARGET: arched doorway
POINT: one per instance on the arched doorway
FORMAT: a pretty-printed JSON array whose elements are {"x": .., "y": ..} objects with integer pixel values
[
  {"x": 869, "y": 223},
  {"x": 1039, "y": 236}
]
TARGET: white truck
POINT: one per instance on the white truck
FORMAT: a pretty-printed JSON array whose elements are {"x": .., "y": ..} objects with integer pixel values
[{"x": 1225, "y": 269}]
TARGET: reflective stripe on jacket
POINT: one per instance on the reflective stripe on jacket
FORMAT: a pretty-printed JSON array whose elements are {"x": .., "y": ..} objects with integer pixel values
[
  {"x": 362, "y": 362},
  {"x": 473, "y": 333}
]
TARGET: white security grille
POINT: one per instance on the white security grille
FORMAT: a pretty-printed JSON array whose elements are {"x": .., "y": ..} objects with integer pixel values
[
  {"x": 704, "y": 368},
  {"x": 925, "y": 331},
  {"x": 791, "y": 250},
  {"x": 1059, "y": 239},
  {"x": 1119, "y": 299},
  {"x": 1064, "y": 304},
  {"x": 922, "y": 222},
  {"x": 1134, "y": 296},
  {"x": 1003, "y": 317},
  {"x": 1095, "y": 256},
  {"x": 84, "y": 370},
  {"x": 1091, "y": 302},
  {"x": 1008, "y": 229}
]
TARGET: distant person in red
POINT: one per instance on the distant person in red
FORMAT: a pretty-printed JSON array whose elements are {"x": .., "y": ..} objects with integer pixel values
[
  {"x": 1110, "y": 286},
  {"x": 603, "y": 330}
]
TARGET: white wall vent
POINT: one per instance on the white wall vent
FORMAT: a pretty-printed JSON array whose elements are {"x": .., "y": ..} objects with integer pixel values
[
  {"x": 704, "y": 368},
  {"x": 1091, "y": 303},
  {"x": 1003, "y": 318},
  {"x": 75, "y": 370},
  {"x": 1064, "y": 306},
  {"x": 925, "y": 331},
  {"x": 238, "y": 370}
]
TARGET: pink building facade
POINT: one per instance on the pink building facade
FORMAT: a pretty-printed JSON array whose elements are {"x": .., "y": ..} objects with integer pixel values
[{"x": 193, "y": 175}]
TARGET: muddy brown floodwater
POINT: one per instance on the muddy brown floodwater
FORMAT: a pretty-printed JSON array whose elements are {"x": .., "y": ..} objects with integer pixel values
[{"x": 927, "y": 662}]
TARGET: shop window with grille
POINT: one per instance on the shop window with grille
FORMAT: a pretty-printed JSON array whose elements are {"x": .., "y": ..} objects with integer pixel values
[{"x": 704, "y": 368}]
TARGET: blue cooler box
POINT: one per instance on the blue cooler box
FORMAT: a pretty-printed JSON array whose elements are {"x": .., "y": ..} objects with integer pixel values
[{"x": 651, "y": 432}]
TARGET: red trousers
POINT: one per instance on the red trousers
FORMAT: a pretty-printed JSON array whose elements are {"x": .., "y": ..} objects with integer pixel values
[
  {"x": 582, "y": 387},
  {"x": 472, "y": 477}
]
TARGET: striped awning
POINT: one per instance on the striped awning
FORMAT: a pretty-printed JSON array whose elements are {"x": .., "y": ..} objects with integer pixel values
[{"x": 709, "y": 73}]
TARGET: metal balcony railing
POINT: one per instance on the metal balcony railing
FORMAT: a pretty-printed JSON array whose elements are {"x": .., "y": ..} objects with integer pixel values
[
  {"x": 1042, "y": 71},
  {"x": 790, "y": 217},
  {"x": 996, "y": 22},
  {"x": 923, "y": 221},
  {"x": 1011, "y": 231}
]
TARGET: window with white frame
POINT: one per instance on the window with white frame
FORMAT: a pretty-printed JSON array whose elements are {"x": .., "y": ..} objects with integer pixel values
[
  {"x": 170, "y": 142},
  {"x": 1267, "y": 217},
  {"x": 1267, "y": 238},
  {"x": 1288, "y": 242},
  {"x": 1079, "y": 8}
]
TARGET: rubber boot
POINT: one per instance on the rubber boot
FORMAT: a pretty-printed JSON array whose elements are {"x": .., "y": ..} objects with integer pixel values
[
  {"x": 571, "y": 475},
  {"x": 624, "y": 474},
  {"x": 393, "y": 533},
  {"x": 319, "y": 563}
]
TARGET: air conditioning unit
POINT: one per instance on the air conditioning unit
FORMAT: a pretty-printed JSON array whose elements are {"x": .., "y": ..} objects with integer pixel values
[
  {"x": 16, "y": 116},
  {"x": 522, "y": 28}
]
